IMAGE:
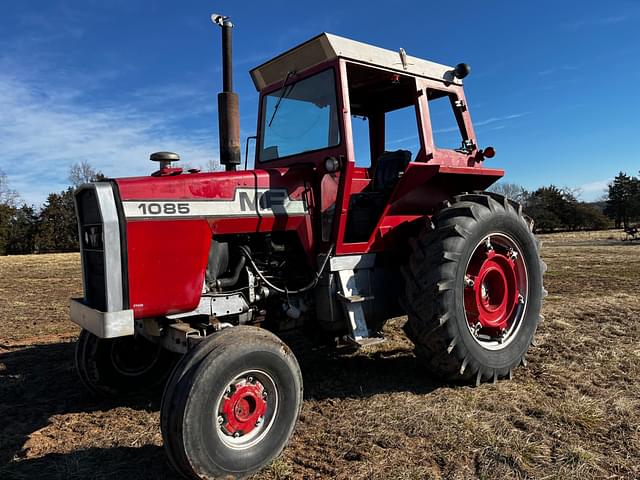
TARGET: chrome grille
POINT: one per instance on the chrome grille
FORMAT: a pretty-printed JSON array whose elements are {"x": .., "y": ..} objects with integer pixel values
[{"x": 100, "y": 248}]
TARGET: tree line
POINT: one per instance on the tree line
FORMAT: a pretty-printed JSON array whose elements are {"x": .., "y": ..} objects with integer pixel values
[
  {"x": 53, "y": 228},
  {"x": 623, "y": 201},
  {"x": 555, "y": 209},
  {"x": 558, "y": 209}
]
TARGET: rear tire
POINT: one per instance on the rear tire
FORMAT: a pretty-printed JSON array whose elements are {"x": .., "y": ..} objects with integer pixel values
[
  {"x": 112, "y": 367},
  {"x": 231, "y": 404},
  {"x": 474, "y": 289}
]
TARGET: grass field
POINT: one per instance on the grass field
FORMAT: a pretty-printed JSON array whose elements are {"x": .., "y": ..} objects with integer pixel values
[{"x": 573, "y": 412}]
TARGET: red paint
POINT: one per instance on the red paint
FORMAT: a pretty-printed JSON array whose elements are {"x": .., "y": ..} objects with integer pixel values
[
  {"x": 167, "y": 171},
  {"x": 167, "y": 261},
  {"x": 243, "y": 407},
  {"x": 493, "y": 298},
  {"x": 167, "y": 258},
  {"x": 212, "y": 185}
]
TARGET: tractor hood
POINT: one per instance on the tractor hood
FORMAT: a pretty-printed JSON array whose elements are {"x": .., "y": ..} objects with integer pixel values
[
  {"x": 167, "y": 223},
  {"x": 215, "y": 195}
]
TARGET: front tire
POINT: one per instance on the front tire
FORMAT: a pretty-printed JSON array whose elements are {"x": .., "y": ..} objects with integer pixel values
[
  {"x": 113, "y": 367},
  {"x": 231, "y": 404},
  {"x": 474, "y": 289}
]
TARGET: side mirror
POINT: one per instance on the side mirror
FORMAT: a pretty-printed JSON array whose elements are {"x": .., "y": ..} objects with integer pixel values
[{"x": 246, "y": 150}]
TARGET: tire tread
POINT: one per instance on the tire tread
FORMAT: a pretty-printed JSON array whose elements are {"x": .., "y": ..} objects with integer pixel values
[{"x": 429, "y": 280}]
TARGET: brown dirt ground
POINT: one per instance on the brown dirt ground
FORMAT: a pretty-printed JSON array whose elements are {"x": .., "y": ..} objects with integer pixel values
[{"x": 573, "y": 412}]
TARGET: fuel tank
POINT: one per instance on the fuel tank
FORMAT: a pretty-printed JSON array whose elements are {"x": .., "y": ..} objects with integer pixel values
[{"x": 169, "y": 221}]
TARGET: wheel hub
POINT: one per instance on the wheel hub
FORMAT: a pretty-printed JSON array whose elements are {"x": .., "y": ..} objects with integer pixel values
[
  {"x": 243, "y": 407},
  {"x": 133, "y": 356},
  {"x": 493, "y": 282}
]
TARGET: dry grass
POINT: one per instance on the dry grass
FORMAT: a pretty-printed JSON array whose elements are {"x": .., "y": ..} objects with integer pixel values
[
  {"x": 34, "y": 293},
  {"x": 574, "y": 412}
]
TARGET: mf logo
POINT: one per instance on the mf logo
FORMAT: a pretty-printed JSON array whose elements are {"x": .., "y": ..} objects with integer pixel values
[{"x": 276, "y": 200}]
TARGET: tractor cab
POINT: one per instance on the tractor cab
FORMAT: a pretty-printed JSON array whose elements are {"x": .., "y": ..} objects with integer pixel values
[{"x": 382, "y": 128}]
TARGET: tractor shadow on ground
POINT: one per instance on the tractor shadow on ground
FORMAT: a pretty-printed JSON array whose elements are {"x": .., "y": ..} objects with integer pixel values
[
  {"x": 39, "y": 381},
  {"x": 363, "y": 375},
  {"x": 36, "y": 383},
  {"x": 116, "y": 463}
]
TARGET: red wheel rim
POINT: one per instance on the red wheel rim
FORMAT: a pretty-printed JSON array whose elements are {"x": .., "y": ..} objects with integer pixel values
[
  {"x": 495, "y": 290},
  {"x": 246, "y": 409},
  {"x": 243, "y": 406}
]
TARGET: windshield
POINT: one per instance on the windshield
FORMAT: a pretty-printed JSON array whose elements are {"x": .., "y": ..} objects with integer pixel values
[{"x": 300, "y": 117}]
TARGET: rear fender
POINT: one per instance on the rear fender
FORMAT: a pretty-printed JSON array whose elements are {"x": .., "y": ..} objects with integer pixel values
[
  {"x": 423, "y": 187},
  {"x": 418, "y": 194}
]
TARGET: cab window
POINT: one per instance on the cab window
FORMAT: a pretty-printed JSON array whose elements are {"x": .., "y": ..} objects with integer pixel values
[
  {"x": 447, "y": 123},
  {"x": 302, "y": 116}
]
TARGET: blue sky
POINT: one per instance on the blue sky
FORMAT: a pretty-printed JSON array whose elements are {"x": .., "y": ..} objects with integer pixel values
[{"x": 554, "y": 85}]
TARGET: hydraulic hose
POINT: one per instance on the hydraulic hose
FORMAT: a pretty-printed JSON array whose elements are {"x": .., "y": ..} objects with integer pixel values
[
  {"x": 233, "y": 279},
  {"x": 309, "y": 286}
]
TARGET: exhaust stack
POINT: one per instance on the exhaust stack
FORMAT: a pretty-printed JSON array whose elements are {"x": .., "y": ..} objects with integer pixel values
[{"x": 228, "y": 112}]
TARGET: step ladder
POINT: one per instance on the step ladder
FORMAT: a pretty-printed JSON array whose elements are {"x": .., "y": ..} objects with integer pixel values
[{"x": 355, "y": 275}]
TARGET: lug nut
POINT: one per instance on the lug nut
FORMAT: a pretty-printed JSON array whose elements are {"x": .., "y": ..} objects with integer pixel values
[
  {"x": 503, "y": 333},
  {"x": 469, "y": 283},
  {"x": 487, "y": 244},
  {"x": 476, "y": 329},
  {"x": 220, "y": 420}
]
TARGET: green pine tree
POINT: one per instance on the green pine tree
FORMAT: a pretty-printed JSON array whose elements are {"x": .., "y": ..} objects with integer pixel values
[{"x": 57, "y": 230}]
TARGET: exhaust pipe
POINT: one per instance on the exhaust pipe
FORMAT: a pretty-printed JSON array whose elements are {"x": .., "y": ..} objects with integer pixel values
[{"x": 228, "y": 111}]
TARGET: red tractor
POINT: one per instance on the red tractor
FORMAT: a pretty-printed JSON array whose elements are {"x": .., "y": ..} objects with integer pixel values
[{"x": 225, "y": 267}]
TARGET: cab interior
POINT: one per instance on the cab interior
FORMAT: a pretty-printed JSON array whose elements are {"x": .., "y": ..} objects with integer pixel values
[{"x": 374, "y": 95}]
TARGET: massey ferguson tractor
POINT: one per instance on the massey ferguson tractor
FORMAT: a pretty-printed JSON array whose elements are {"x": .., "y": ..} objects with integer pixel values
[{"x": 318, "y": 241}]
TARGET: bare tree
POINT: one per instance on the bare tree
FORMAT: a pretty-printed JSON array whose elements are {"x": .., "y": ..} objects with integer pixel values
[
  {"x": 575, "y": 192},
  {"x": 510, "y": 190},
  {"x": 8, "y": 196},
  {"x": 83, "y": 172},
  {"x": 212, "y": 165}
]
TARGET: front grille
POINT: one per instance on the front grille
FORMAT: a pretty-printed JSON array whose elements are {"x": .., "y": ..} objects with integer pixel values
[{"x": 92, "y": 248}]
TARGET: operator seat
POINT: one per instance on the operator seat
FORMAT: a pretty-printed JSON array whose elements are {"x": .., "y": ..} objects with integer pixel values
[
  {"x": 366, "y": 207},
  {"x": 389, "y": 168}
]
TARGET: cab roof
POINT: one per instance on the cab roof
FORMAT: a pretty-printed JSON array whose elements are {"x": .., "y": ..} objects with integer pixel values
[{"x": 327, "y": 46}]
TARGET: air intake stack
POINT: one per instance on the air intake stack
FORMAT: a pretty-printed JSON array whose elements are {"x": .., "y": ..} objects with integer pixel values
[{"x": 228, "y": 112}]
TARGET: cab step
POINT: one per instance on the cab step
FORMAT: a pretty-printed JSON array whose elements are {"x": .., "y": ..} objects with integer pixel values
[
  {"x": 353, "y": 274},
  {"x": 369, "y": 341},
  {"x": 362, "y": 341},
  {"x": 355, "y": 298}
]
